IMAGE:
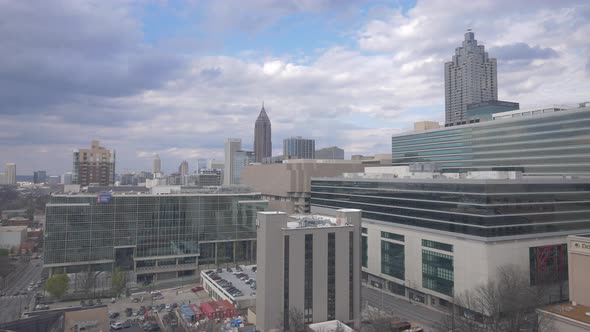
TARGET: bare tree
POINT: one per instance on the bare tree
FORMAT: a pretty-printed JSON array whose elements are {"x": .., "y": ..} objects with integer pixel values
[
  {"x": 294, "y": 321},
  {"x": 507, "y": 303},
  {"x": 375, "y": 320}
]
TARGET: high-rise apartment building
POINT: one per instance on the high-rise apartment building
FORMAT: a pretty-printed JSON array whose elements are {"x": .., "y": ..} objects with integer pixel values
[
  {"x": 231, "y": 146},
  {"x": 332, "y": 152},
  {"x": 157, "y": 165},
  {"x": 183, "y": 168},
  {"x": 262, "y": 137},
  {"x": 94, "y": 166},
  {"x": 471, "y": 77},
  {"x": 39, "y": 177},
  {"x": 298, "y": 148},
  {"x": 309, "y": 264},
  {"x": 10, "y": 173}
]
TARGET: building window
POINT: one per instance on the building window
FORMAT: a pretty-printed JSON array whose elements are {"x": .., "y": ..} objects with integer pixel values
[
  {"x": 548, "y": 264},
  {"x": 392, "y": 259},
  {"x": 364, "y": 230},
  {"x": 350, "y": 275},
  {"x": 331, "y": 276},
  {"x": 437, "y": 272},
  {"x": 392, "y": 236},
  {"x": 437, "y": 245},
  {"x": 286, "y": 284},
  {"x": 365, "y": 245},
  {"x": 308, "y": 280}
]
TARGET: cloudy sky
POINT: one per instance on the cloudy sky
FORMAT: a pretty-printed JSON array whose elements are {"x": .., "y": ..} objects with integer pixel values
[{"x": 177, "y": 77}]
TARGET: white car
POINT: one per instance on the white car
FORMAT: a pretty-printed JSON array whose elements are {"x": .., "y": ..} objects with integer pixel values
[
  {"x": 168, "y": 306},
  {"x": 116, "y": 326}
]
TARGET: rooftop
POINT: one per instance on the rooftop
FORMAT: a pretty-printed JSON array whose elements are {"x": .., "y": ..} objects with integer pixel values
[
  {"x": 13, "y": 228},
  {"x": 580, "y": 313},
  {"x": 312, "y": 221},
  {"x": 235, "y": 281}
]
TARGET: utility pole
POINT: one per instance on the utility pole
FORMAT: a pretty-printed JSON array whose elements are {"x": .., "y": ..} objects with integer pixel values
[{"x": 453, "y": 306}]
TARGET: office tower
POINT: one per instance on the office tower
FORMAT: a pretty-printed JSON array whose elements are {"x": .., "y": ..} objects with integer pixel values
[
  {"x": 215, "y": 164},
  {"x": 183, "y": 168},
  {"x": 39, "y": 177},
  {"x": 10, "y": 173},
  {"x": 471, "y": 77},
  {"x": 210, "y": 177},
  {"x": 231, "y": 146},
  {"x": 94, "y": 166},
  {"x": 157, "y": 166},
  {"x": 309, "y": 264},
  {"x": 298, "y": 148},
  {"x": 156, "y": 236},
  {"x": 332, "y": 152},
  {"x": 66, "y": 178},
  {"x": 540, "y": 141},
  {"x": 289, "y": 191},
  {"x": 262, "y": 137},
  {"x": 201, "y": 164},
  {"x": 241, "y": 160}
]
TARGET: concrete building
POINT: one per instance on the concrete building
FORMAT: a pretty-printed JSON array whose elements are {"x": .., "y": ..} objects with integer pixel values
[
  {"x": 94, "y": 166},
  {"x": 157, "y": 164},
  {"x": 484, "y": 111},
  {"x": 289, "y": 190},
  {"x": 241, "y": 160},
  {"x": 380, "y": 159},
  {"x": 231, "y": 146},
  {"x": 12, "y": 237},
  {"x": 471, "y": 77},
  {"x": 152, "y": 236},
  {"x": 428, "y": 235},
  {"x": 573, "y": 316},
  {"x": 210, "y": 177},
  {"x": 66, "y": 178},
  {"x": 298, "y": 148},
  {"x": 183, "y": 168},
  {"x": 39, "y": 176},
  {"x": 544, "y": 142},
  {"x": 10, "y": 173},
  {"x": 332, "y": 152},
  {"x": 262, "y": 137},
  {"x": 426, "y": 125},
  {"x": 310, "y": 264}
]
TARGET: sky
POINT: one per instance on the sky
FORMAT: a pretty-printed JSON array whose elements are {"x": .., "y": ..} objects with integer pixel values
[{"x": 176, "y": 78}]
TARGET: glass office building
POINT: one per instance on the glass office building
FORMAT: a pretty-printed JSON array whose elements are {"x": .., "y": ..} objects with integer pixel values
[
  {"x": 155, "y": 236},
  {"x": 480, "y": 208},
  {"x": 534, "y": 142}
]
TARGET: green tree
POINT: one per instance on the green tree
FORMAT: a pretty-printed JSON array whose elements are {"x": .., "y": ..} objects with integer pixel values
[
  {"x": 4, "y": 252},
  {"x": 57, "y": 285},
  {"x": 119, "y": 281}
]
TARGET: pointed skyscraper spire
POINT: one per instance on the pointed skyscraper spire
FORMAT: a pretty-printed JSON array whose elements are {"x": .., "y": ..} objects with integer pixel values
[{"x": 262, "y": 136}]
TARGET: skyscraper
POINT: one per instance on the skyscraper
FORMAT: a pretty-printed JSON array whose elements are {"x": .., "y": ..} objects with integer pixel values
[
  {"x": 298, "y": 148},
  {"x": 95, "y": 165},
  {"x": 183, "y": 168},
  {"x": 262, "y": 137},
  {"x": 10, "y": 173},
  {"x": 471, "y": 77},
  {"x": 231, "y": 146},
  {"x": 157, "y": 164},
  {"x": 39, "y": 176}
]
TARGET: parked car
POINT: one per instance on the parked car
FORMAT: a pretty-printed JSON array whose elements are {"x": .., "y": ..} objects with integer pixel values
[
  {"x": 197, "y": 288},
  {"x": 90, "y": 303},
  {"x": 113, "y": 300},
  {"x": 126, "y": 324},
  {"x": 116, "y": 326}
]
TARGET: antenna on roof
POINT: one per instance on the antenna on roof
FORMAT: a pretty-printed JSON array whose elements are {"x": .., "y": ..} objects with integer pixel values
[{"x": 469, "y": 30}]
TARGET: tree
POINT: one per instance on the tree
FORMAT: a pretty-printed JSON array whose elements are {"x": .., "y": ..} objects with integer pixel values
[
  {"x": 375, "y": 320},
  {"x": 119, "y": 281},
  {"x": 57, "y": 285},
  {"x": 86, "y": 279},
  {"x": 295, "y": 322},
  {"x": 507, "y": 303}
]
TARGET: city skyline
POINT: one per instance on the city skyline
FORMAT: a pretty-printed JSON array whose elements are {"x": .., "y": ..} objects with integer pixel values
[{"x": 370, "y": 70}]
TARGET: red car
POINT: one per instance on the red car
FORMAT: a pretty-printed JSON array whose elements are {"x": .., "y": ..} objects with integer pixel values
[{"x": 196, "y": 289}]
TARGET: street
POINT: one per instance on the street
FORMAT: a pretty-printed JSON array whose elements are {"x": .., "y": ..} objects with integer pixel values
[
  {"x": 11, "y": 306},
  {"x": 406, "y": 311}
]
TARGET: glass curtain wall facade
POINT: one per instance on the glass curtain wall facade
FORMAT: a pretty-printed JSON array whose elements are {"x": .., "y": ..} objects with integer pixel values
[
  {"x": 546, "y": 144},
  {"x": 483, "y": 208},
  {"x": 156, "y": 230},
  {"x": 437, "y": 272},
  {"x": 393, "y": 259}
]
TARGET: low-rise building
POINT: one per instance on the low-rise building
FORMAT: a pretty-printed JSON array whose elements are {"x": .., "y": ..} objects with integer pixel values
[
  {"x": 12, "y": 237},
  {"x": 289, "y": 190}
]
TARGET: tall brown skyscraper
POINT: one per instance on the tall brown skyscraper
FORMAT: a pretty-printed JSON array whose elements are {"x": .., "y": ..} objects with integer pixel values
[
  {"x": 262, "y": 137},
  {"x": 95, "y": 165}
]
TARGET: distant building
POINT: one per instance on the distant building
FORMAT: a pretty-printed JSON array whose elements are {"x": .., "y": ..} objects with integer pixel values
[
  {"x": 485, "y": 110},
  {"x": 12, "y": 237},
  {"x": 39, "y": 176},
  {"x": 309, "y": 264},
  {"x": 231, "y": 146},
  {"x": 241, "y": 160},
  {"x": 10, "y": 173},
  {"x": 471, "y": 77},
  {"x": 332, "y": 152},
  {"x": 215, "y": 164},
  {"x": 381, "y": 159},
  {"x": 157, "y": 164},
  {"x": 426, "y": 125},
  {"x": 289, "y": 190},
  {"x": 53, "y": 179},
  {"x": 66, "y": 178},
  {"x": 210, "y": 177},
  {"x": 94, "y": 166},
  {"x": 298, "y": 148},
  {"x": 262, "y": 137},
  {"x": 183, "y": 168}
]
